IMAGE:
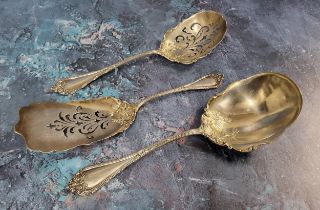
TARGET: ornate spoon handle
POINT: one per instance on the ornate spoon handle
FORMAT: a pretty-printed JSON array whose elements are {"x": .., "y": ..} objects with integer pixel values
[
  {"x": 72, "y": 84},
  {"x": 90, "y": 179},
  {"x": 207, "y": 82}
]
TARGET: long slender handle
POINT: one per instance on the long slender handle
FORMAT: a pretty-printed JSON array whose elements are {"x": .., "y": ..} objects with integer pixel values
[
  {"x": 206, "y": 82},
  {"x": 90, "y": 179},
  {"x": 72, "y": 84}
]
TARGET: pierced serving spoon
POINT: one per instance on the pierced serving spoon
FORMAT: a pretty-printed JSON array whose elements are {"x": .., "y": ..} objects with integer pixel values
[
  {"x": 192, "y": 39},
  {"x": 52, "y": 126},
  {"x": 249, "y": 113}
]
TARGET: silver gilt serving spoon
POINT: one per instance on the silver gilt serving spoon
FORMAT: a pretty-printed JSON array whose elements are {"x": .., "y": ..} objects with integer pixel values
[
  {"x": 192, "y": 39},
  {"x": 249, "y": 113},
  {"x": 53, "y": 126}
]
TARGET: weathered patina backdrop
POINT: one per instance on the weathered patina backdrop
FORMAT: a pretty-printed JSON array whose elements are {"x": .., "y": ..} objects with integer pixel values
[{"x": 42, "y": 41}]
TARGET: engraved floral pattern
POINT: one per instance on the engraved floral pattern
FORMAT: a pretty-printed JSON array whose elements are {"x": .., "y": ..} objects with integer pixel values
[
  {"x": 196, "y": 40},
  {"x": 81, "y": 121},
  {"x": 87, "y": 122},
  {"x": 213, "y": 122}
]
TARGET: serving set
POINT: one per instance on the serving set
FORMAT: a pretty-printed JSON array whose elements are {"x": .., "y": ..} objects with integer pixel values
[{"x": 248, "y": 113}]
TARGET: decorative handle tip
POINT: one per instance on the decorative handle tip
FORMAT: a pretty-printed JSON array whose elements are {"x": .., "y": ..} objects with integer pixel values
[
  {"x": 59, "y": 88},
  {"x": 77, "y": 185}
]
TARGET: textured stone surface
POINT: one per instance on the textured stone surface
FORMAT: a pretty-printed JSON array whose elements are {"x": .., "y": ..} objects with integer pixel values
[{"x": 42, "y": 41}]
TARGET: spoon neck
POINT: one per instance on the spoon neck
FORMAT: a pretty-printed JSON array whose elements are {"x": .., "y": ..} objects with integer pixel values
[
  {"x": 149, "y": 52},
  {"x": 138, "y": 56},
  {"x": 167, "y": 140},
  {"x": 128, "y": 60},
  {"x": 144, "y": 100},
  {"x": 207, "y": 82}
]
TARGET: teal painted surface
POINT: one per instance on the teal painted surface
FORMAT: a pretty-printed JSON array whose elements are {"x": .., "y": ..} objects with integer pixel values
[{"x": 42, "y": 41}]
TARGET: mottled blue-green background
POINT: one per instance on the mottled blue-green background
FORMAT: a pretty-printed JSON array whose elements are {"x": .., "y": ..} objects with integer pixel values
[{"x": 42, "y": 41}]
